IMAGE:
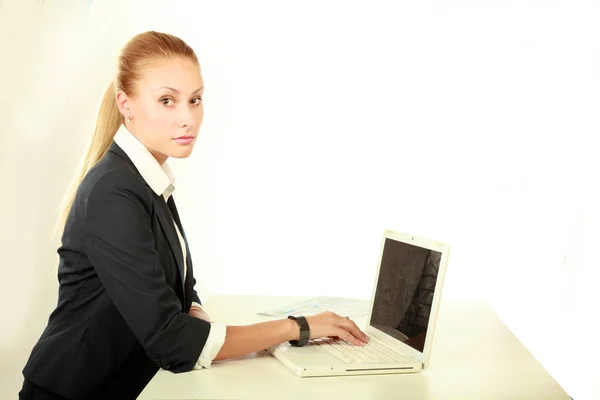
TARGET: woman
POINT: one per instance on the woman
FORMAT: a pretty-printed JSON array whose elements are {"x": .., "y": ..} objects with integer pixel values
[{"x": 127, "y": 304}]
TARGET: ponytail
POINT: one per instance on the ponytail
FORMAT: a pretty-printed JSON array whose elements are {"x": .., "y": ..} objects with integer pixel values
[{"x": 107, "y": 123}]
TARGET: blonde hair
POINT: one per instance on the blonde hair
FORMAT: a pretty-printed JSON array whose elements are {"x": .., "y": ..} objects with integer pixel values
[{"x": 138, "y": 53}]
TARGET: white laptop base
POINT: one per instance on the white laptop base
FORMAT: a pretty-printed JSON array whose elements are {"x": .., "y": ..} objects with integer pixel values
[{"x": 320, "y": 358}]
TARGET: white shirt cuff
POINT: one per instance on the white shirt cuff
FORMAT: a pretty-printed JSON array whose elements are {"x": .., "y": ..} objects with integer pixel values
[{"x": 216, "y": 338}]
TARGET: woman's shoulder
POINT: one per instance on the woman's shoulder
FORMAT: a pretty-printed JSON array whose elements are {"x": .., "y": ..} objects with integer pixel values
[{"x": 110, "y": 176}]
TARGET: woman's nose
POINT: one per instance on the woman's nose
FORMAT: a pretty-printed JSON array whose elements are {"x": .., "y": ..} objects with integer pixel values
[{"x": 185, "y": 117}]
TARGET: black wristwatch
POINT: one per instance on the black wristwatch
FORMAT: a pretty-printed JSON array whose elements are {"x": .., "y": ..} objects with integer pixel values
[{"x": 304, "y": 331}]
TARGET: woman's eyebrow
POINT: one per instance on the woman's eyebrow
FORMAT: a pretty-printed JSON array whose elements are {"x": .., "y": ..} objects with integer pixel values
[{"x": 177, "y": 91}]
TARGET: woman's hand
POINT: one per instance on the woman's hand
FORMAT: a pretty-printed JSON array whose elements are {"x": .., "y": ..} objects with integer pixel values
[
  {"x": 332, "y": 325},
  {"x": 200, "y": 314}
]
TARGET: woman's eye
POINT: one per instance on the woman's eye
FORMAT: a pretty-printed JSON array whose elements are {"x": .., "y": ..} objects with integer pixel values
[
  {"x": 198, "y": 100},
  {"x": 165, "y": 101}
]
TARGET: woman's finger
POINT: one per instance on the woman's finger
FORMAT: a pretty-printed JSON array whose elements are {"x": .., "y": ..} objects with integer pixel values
[
  {"x": 351, "y": 327},
  {"x": 344, "y": 334}
]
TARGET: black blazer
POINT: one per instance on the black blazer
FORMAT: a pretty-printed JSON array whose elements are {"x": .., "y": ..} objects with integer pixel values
[{"x": 122, "y": 302}]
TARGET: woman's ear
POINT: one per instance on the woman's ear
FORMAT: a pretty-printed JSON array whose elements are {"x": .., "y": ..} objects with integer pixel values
[{"x": 123, "y": 104}]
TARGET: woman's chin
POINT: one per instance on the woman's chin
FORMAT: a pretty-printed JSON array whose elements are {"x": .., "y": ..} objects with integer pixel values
[{"x": 183, "y": 152}]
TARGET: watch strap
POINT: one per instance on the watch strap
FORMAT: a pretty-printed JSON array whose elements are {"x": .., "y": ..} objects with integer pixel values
[{"x": 304, "y": 331}]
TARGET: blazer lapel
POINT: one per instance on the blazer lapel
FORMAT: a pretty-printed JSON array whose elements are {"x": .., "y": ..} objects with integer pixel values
[
  {"x": 166, "y": 221},
  {"x": 175, "y": 214},
  {"x": 164, "y": 217}
]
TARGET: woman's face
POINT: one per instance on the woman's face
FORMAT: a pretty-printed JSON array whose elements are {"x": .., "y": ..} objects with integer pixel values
[{"x": 167, "y": 108}]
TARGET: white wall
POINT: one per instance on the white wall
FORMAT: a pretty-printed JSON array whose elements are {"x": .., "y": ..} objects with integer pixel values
[{"x": 469, "y": 122}]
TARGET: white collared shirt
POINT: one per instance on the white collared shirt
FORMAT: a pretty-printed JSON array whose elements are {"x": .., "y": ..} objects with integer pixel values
[{"x": 161, "y": 180}]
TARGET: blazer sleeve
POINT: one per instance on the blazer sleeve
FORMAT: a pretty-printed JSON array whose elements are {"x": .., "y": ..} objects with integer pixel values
[{"x": 120, "y": 244}]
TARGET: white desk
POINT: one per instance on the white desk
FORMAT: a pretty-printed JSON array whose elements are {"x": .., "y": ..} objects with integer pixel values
[{"x": 474, "y": 356}]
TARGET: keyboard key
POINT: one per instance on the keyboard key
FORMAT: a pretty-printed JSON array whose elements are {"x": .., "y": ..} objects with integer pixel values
[{"x": 372, "y": 352}]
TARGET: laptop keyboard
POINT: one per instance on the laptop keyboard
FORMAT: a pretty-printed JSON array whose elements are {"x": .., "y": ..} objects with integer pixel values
[{"x": 372, "y": 352}]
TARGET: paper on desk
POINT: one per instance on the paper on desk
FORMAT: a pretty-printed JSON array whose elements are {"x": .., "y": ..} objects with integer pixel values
[{"x": 339, "y": 305}]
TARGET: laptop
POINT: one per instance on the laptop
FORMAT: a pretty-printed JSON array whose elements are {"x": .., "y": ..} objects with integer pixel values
[{"x": 401, "y": 319}]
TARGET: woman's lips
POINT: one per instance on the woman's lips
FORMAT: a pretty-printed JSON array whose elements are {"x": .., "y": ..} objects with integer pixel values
[{"x": 184, "y": 140}]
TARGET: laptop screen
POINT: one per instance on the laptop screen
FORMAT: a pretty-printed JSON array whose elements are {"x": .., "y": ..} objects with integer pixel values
[{"x": 404, "y": 292}]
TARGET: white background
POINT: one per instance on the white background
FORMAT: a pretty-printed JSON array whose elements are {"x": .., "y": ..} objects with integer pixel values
[{"x": 471, "y": 122}]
